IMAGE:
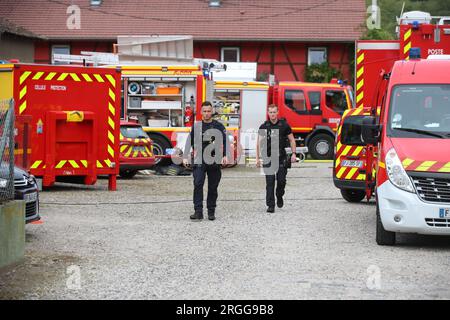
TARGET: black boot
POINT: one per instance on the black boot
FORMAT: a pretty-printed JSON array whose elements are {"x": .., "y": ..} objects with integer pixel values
[
  {"x": 197, "y": 216},
  {"x": 211, "y": 215},
  {"x": 271, "y": 209},
  {"x": 280, "y": 202}
]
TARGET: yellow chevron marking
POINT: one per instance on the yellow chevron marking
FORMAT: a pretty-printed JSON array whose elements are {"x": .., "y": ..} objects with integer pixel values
[
  {"x": 357, "y": 111},
  {"x": 346, "y": 150},
  {"x": 108, "y": 163},
  {"x": 112, "y": 95},
  {"x": 36, "y": 164},
  {"x": 62, "y": 76},
  {"x": 407, "y": 34},
  {"x": 99, "y": 78},
  {"x": 359, "y": 85},
  {"x": 361, "y": 177},
  {"x": 38, "y": 75},
  {"x": 338, "y": 162},
  {"x": 360, "y": 97},
  {"x": 121, "y": 137},
  {"x": 407, "y": 47},
  {"x": 99, "y": 164},
  {"x": 445, "y": 168},
  {"x": 111, "y": 79},
  {"x": 111, "y": 136},
  {"x": 340, "y": 173},
  {"x": 22, "y": 107},
  {"x": 122, "y": 148},
  {"x": 87, "y": 77},
  {"x": 23, "y": 92},
  {"x": 135, "y": 154},
  {"x": 24, "y": 76},
  {"x": 50, "y": 76},
  {"x": 111, "y": 109},
  {"x": 425, "y": 166},
  {"x": 148, "y": 151},
  {"x": 111, "y": 123},
  {"x": 128, "y": 152},
  {"x": 60, "y": 164},
  {"x": 75, "y": 77},
  {"x": 110, "y": 151},
  {"x": 74, "y": 164},
  {"x": 357, "y": 151},
  {"x": 382, "y": 165},
  {"x": 144, "y": 154},
  {"x": 351, "y": 173},
  {"x": 407, "y": 162},
  {"x": 338, "y": 146},
  {"x": 360, "y": 72},
  {"x": 360, "y": 59},
  {"x": 84, "y": 162}
]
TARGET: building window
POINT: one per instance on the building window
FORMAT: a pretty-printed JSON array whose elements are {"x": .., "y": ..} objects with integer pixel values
[
  {"x": 317, "y": 55},
  {"x": 230, "y": 54},
  {"x": 60, "y": 49}
]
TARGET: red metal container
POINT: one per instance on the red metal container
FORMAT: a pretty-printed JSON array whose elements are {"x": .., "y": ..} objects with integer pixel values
[{"x": 69, "y": 117}]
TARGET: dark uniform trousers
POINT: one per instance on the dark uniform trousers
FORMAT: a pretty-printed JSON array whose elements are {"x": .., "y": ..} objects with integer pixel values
[
  {"x": 280, "y": 178},
  {"x": 214, "y": 174}
]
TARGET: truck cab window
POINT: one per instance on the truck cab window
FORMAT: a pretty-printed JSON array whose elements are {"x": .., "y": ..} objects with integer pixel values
[
  {"x": 295, "y": 100},
  {"x": 336, "y": 100},
  {"x": 314, "y": 100}
]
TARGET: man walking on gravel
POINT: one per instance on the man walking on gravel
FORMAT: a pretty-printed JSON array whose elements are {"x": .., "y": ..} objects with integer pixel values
[
  {"x": 273, "y": 138},
  {"x": 208, "y": 141}
]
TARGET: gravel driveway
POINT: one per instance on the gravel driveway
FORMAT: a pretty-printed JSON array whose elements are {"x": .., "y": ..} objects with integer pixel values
[{"x": 138, "y": 243}]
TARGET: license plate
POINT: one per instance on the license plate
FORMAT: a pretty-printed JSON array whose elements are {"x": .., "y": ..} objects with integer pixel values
[
  {"x": 140, "y": 149},
  {"x": 352, "y": 163},
  {"x": 30, "y": 197},
  {"x": 444, "y": 213}
]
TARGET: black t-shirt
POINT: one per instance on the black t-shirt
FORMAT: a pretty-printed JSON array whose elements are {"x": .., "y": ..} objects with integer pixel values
[
  {"x": 207, "y": 138},
  {"x": 269, "y": 131}
]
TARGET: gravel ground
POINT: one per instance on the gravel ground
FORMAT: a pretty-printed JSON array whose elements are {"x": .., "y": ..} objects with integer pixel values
[{"x": 138, "y": 243}]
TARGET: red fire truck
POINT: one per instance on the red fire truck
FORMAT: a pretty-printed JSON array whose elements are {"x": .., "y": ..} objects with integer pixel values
[
  {"x": 67, "y": 120},
  {"x": 405, "y": 162},
  {"x": 313, "y": 110}
]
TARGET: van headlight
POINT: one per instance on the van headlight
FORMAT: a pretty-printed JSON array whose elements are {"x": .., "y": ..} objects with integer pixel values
[
  {"x": 3, "y": 183},
  {"x": 396, "y": 173}
]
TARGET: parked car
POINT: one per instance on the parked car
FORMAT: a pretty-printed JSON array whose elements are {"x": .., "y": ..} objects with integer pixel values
[
  {"x": 136, "y": 150},
  {"x": 25, "y": 188}
]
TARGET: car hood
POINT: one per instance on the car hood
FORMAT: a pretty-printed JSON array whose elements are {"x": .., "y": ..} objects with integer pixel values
[{"x": 418, "y": 154}]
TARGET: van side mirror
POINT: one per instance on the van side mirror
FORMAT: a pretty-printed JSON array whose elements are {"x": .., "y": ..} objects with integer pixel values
[{"x": 370, "y": 130}]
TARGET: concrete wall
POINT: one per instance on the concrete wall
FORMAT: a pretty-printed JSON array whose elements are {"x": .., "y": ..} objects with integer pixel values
[
  {"x": 14, "y": 47},
  {"x": 12, "y": 232}
]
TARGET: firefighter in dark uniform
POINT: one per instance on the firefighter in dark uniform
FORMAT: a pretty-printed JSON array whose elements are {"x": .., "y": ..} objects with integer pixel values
[
  {"x": 277, "y": 133},
  {"x": 206, "y": 160}
]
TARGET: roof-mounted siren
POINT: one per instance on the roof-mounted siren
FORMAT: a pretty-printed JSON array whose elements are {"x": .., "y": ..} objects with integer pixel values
[
  {"x": 414, "y": 53},
  {"x": 414, "y": 18}
]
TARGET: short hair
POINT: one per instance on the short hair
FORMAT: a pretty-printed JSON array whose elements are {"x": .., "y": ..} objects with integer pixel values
[
  {"x": 271, "y": 106},
  {"x": 207, "y": 104}
]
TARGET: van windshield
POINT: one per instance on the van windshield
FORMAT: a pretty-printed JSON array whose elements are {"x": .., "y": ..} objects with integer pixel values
[
  {"x": 420, "y": 111},
  {"x": 336, "y": 100},
  {"x": 133, "y": 132}
]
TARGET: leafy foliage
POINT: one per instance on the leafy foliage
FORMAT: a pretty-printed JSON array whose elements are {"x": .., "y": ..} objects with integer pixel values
[{"x": 321, "y": 73}]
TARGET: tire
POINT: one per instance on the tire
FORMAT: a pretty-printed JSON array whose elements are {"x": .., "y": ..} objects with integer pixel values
[
  {"x": 160, "y": 145},
  {"x": 353, "y": 195},
  {"x": 127, "y": 174},
  {"x": 383, "y": 237},
  {"x": 321, "y": 147}
]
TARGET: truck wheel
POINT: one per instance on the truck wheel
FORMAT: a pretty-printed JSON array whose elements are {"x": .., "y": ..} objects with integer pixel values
[
  {"x": 321, "y": 146},
  {"x": 159, "y": 148},
  {"x": 383, "y": 237},
  {"x": 127, "y": 174},
  {"x": 353, "y": 195}
]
